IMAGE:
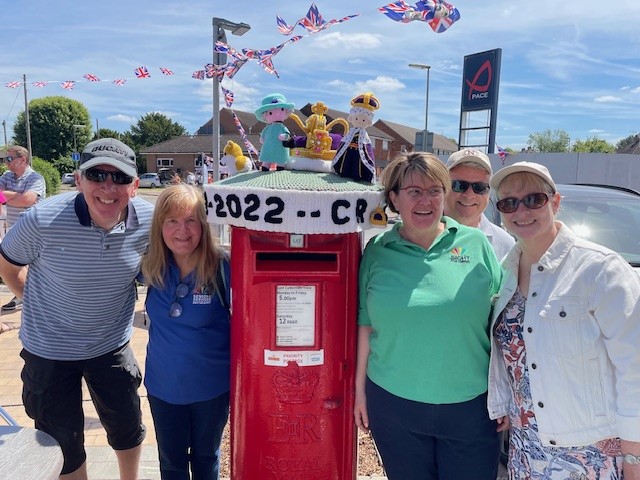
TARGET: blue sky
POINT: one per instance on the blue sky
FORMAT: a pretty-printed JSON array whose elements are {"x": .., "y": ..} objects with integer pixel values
[{"x": 569, "y": 65}]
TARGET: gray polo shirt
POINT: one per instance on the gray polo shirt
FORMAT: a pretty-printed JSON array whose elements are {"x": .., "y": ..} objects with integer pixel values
[
  {"x": 29, "y": 181},
  {"x": 79, "y": 296}
]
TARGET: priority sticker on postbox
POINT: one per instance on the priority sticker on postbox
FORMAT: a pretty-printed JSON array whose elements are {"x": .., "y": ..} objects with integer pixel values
[{"x": 304, "y": 358}]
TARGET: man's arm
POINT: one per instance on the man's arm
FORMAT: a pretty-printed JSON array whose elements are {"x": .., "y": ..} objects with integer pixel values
[
  {"x": 14, "y": 276},
  {"x": 26, "y": 199}
]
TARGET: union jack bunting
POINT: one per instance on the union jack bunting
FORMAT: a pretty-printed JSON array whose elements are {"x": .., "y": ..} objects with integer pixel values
[
  {"x": 233, "y": 67},
  {"x": 13, "y": 84},
  {"x": 91, "y": 77},
  {"x": 228, "y": 97},
  {"x": 142, "y": 72},
  {"x": 396, "y": 11},
  {"x": 68, "y": 85},
  {"x": 441, "y": 24},
  {"x": 39, "y": 84},
  {"x": 166, "y": 71},
  {"x": 212, "y": 70},
  {"x": 119, "y": 81},
  {"x": 243, "y": 135},
  {"x": 198, "y": 74},
  {"x": 502, "y": 153},
  {"x": 312, "y": 22}
]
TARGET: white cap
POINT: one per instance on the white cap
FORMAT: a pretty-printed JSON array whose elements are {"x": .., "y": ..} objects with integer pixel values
[
  {"x": 531, "y": 167},
  {"x": 470, "y": 155}
]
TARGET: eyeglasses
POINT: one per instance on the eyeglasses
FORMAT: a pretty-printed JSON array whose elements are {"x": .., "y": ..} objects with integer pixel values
[
  {"x": 461, "y": 186},
  {"x": 100, "y": 176},
  {"x": 10, "y": 158},
  {"x": 417, "y": 192},
  {"x": 532, "y": 201},
  {"x": 175, "y": 310}
]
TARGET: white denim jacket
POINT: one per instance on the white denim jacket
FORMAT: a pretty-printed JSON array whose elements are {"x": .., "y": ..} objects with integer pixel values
[{"x": 582, "y": 335}]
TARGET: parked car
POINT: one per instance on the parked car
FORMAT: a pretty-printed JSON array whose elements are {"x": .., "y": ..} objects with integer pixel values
[
  {"x": 603, "y": 214},
  {"x": 69, "y": 179},
  {"x": 150, "y": 180}
]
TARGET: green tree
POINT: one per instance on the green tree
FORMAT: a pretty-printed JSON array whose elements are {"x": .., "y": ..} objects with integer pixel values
[
  {"x": 151, "y": 129},
  {"x": 626, "y": 142},
  {"x": 593, "y": 145},
  {"x": 53, "y": 122},
  {"x": 107, "y": 133},
  {"x": 154, "y": 128},
  {"x": 50, "y": 174},
  {"x": 549, "y": 142}
]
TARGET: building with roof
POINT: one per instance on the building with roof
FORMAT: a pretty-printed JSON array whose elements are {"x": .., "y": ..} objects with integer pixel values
[{"x": 182, "y": 154}]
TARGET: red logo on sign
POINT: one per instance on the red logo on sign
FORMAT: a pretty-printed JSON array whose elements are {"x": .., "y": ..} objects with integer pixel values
[{"x": 473, "y": 84}]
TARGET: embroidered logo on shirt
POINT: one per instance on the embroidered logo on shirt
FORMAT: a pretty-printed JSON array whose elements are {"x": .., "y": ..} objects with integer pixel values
[
  {"x": 202, "y": 295},
  {"x": 201, "y": 299},
  {"x": 458, "y": 255}
]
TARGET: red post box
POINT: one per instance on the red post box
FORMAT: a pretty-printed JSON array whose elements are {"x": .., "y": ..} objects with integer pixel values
[
  {"x": 295, "y": 251},
  {"x": 293, "y": 341}
]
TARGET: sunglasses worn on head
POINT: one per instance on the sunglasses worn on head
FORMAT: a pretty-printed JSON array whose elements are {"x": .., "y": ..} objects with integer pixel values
[
  {"x": 100, "y": 176},
  {"x": 10, "y": 158},
  {"x": 461, "y": 186},
  {"x": 175, "y": 310},
  {"x": 532, "y": 201}
]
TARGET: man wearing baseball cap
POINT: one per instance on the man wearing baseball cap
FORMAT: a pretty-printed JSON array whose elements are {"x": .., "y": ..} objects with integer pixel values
[
  {"x": 470, "y": 171},
  {"x": 83, "y": 250}
]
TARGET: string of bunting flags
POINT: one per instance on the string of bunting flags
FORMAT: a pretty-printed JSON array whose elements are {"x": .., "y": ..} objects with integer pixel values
[{"x": 439, "y": 14}]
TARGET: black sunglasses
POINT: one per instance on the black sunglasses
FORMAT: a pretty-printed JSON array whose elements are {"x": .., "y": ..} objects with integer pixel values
[
  {"x": 10, "y": 159},
  {"x": 532, "y": 201},
  {"x": 175, "y": 310},
  {"x": 461, "y": 186},
  {"x": 100, "y": 176}
]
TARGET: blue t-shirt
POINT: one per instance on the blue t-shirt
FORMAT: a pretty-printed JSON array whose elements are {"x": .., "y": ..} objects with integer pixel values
[{"x": 188, "y": 357}]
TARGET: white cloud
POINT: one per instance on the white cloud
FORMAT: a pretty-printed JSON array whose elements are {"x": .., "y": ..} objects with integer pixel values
[
  {"x": 607, "y": 99},
  {"x": 636, "y": 90},
  {"x": 380, "y": 84},
  {"x": 122, "y": 119},
  {"x": 352, "y": 41}
]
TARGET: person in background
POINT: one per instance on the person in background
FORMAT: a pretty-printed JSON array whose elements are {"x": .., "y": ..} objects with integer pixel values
[
  {"x": 22, "y": 187},
  {"x": 188, "y": 354},
  {"x": 84, "y": 250},
  {"x": 470, "y": 171},
  {"x": 423, "y": 344},
  {"x": 565, "y": 362}
]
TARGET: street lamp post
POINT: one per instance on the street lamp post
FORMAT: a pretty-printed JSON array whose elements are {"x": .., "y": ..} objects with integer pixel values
[
  {"x": 421, "y": 66},
  {"x": 219, "y": 27},
  {"x": 75, "y": 127}
]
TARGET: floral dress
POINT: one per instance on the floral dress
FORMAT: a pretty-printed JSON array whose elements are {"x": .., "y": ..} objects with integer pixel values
[{"x": 528, "y": 457}]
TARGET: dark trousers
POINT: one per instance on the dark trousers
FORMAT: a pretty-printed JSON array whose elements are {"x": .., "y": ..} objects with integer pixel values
[
  {"x": 189, "y": 436},
  {"x": 422, "y": 441}
]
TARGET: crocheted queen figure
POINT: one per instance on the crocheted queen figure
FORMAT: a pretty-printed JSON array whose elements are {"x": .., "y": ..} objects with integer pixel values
[{"x": 354, "y": 158}]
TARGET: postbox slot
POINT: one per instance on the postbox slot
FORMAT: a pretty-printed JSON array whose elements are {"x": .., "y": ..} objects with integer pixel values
[{"x": 296, "y": 261}]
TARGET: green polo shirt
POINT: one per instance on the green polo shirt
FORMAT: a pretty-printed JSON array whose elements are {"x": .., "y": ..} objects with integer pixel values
[{"x": 429, "y": 310}]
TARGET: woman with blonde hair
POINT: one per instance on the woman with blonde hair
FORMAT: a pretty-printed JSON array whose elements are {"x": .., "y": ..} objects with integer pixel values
[
  {"x": 565, "y": 362},
  {"x": 187, "y": 366}
]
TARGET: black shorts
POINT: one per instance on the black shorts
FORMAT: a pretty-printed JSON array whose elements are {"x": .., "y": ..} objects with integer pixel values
[{"x": 52, "y": 396}]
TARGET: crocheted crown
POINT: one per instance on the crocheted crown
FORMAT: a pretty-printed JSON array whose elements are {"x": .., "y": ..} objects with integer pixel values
[{"x": 367, "y": 101}]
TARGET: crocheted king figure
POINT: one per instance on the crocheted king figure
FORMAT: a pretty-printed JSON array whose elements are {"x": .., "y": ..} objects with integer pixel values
[
  {"x": 354, "y": 157},
  {"x": 274, "y": 110}
]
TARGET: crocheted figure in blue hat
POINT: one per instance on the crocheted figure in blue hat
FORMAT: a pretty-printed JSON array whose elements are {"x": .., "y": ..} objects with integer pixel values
[{"x": 274, "y": 110}]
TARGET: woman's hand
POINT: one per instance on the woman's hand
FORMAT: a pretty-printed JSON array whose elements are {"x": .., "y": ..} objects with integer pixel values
[
  {"x": 360, "y": 413},
  {"x": 503, "y": 423}
]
